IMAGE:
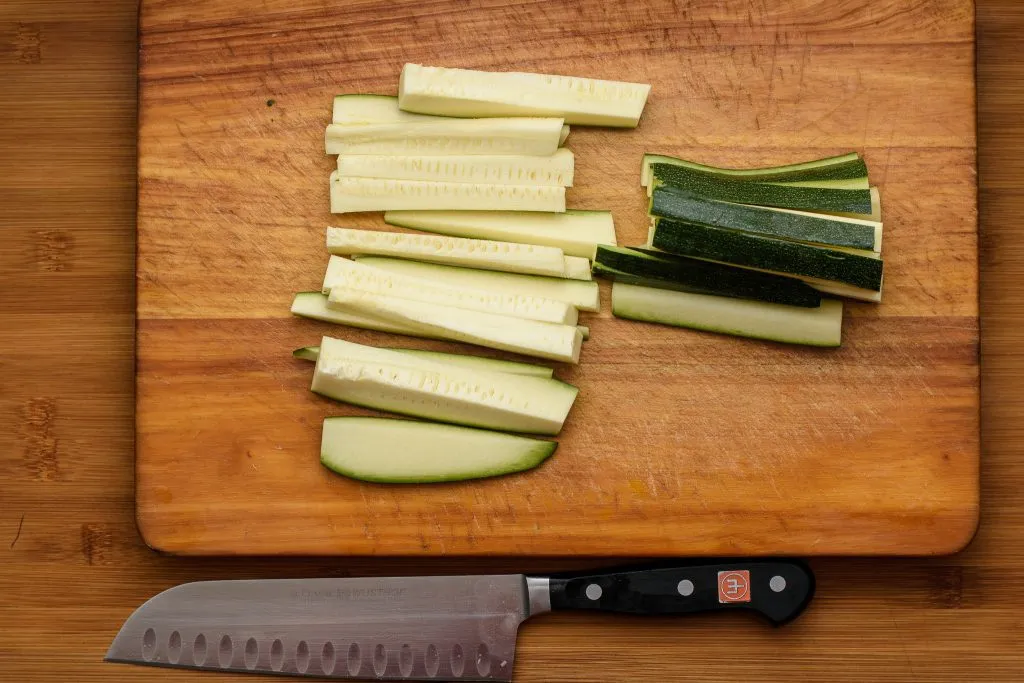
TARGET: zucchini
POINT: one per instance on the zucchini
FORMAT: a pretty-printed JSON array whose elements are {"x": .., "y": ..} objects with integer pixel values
[
  {"x": 821, "y": 326},
  {"x": 363, "y": 109},
  {"x": 575, "y": 232},
  {"x": 760, "y": 194},
  {"x": 529, "y": 136},
  {"x": 582, "y": 295},
  {"x": 390, "y": 451},
  {"x": 693, "y": 275},
  {"x": 314, "y": 305},
  {"x": 831, "y": 168},
  {"x": 556, "y": 169},
  {"x": 454, "y": 251},
  {"x": 577, "y": 268},
  {"x": 528, "y": 337},
  {"x": 349, "y": 195},
  {"x": 678, "y": 204},
  {"x": 765, "y": 253},
  {"x": 464, "y": 92},
  {"x": 469, "y": 362},
  {"x": 344, "y": 274},
  {"x": 388, "y": 380},
  {"x": 845, "y": 184},
  {"x": 876, "y": 209}
]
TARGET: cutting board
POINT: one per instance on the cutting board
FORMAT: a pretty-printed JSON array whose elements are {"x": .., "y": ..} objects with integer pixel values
[{"x": 681, "y": 442}]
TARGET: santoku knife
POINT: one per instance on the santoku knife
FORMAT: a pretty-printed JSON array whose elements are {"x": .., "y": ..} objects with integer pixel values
[{"x": 424, "y": 628}]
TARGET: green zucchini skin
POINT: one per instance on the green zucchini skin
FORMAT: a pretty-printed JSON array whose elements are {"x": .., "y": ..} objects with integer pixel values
[
  {"x": 679, "y": 273},
  {"x": 831, "y": 168},
  {"x": 762, "y": 194},
  {"x": 767, "y": 253},
  {"x": 676, "y": 203}
]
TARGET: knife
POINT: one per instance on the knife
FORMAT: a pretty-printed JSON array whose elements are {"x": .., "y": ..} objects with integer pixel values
[{"x": 425, "y": 628}]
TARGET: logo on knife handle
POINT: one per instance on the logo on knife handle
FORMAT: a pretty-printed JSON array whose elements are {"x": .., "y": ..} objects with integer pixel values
[{"x": 734, "y": 586}]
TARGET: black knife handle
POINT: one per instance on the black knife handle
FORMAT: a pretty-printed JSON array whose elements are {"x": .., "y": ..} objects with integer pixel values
[{"x": 779, "y": 590}]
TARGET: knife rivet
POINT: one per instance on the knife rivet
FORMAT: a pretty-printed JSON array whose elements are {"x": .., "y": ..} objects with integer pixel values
[
  {"x": 685, "y": 588},
  {"x": 594, "y": 592},
  {"x": 777, "y": 584}
]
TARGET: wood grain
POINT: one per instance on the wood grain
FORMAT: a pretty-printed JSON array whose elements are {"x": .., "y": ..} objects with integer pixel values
[
  {"x": 72, "y": 566},
  {"x": 681, "y": 442}
]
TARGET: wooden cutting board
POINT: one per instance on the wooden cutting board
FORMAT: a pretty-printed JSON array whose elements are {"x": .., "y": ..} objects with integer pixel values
[{"x": 682, "y": 442}]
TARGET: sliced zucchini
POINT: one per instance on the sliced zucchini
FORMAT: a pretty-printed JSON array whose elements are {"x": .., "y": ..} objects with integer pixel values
[
  {"x": 848, "y": 291},
  {"x": 463, "y": 361},
  {"x": 344, "y": 274},
  {"x": 350, "y": 195},
  {"x": 389, "y": 451},
  {"x": 577, "y": 268},
  {"x": 861, "y": 269},
  {"x": 388, "y": 380},
  {"x": 678, "y": 204},
  {"x": 821, "y": 326},
  {"x": 845, "y": 184},
  {"x": 831, "y": 168},
  {"x": 584, "y": 332},
  {"x": 693, "y": 275},
  {"x": 760, "y": 194},
  {"x": 575, "y": 232},
  {"x": 464, "y": 92},
  {"x": 876, "y": 209},
  {"x": 491, "y": 136},
  {"x": 363, "y": 109},
  {"x": 454, "y": 251},
  {"x": 528, "y": 337},
  {"x": 314, "y": 305},
  {"x": 582, "y": 295},
  {"x": 556, "y": 169}
]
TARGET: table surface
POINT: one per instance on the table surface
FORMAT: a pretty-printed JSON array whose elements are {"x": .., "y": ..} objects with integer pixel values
[{"x": 72, "y": 566}]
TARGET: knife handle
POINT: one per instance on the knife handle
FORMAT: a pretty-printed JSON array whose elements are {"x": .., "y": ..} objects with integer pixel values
[{"x": 779, "y": 590}]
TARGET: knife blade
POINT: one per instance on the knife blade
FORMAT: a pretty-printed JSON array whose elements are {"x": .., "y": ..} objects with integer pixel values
[{"x": 425, "y": 628}]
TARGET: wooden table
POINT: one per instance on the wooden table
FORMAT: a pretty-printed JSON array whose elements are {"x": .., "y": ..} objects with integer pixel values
[{"x": 72, "y": 565}]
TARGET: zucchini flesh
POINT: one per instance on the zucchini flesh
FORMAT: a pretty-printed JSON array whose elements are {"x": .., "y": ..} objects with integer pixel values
[
  {"x": 362, "y": 109},
  {"x": 312, "y": 353},
  {"x": 821, "y": 326},
  {"x": 349, "y": 195},
  {"x": 687, "y": 274},
  {"x": 314, "y": 305},
  {"x": 456, "y": 251},
  {"x": 387, "y": 380},
  {"x": 344, "y": 274},
  {"x": 393, "y": 451},
  {"x": 529, "y": 136},
  {"x": 576, "y": 233},
  {"x": 681, "y": 205},
  {"x": 464, "y": 92},
  {"x": 831, "y": 168},
  {"x": 556, "y": 169},
  {"x": 766, "y": 253},
  {"x": 582, "y": 295},
  {"x": 577, "y": 268},
  {"x": 529, "y": 337},
  {"x": 760, "y": 194}
]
